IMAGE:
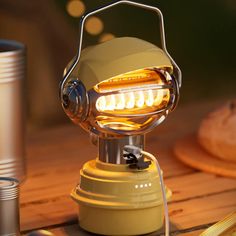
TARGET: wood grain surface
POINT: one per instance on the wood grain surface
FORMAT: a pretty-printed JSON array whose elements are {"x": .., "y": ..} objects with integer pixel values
[
  {"x": 189, "y": 151},
  {"x": 56, "y": 155}
]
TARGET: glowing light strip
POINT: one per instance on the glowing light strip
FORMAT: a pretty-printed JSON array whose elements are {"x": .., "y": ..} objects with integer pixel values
[{"x": 130, "y": 100}]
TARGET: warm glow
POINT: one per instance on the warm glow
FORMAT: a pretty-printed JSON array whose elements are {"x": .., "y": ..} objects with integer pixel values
[
  {"x": 149, "y": 100},
  {"x": 75, "y": 8},
  {"x": 120, "y": 101},
  {"x": 110, "y": 102},
  {"x": 158, "y": 97},
  {"x": 102, "y": 103},
  {"x": 139, "y": 100},
  {"x": 44, "y": 232},
  {"x": 106, "y": 37},
  {"x": 130, "y": 80},
  {"x": 137, "y": 92},
  {"x": 132, "y": 100},
  {"x": 94, "y": 25}
]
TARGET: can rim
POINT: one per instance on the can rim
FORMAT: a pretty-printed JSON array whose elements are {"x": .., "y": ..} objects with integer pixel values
[
  {"x": 14, "y": 182},
  {"x": 9, "y": 47}
]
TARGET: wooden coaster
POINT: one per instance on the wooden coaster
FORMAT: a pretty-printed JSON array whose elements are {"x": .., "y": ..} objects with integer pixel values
[{"x": 189, "y": 151}]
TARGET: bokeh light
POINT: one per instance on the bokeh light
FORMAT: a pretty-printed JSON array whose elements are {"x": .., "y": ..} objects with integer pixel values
[
  {"x": 106, "y": 37},
  {"x": 75, "y": 8},
  {"x": 94, "y": 25}
]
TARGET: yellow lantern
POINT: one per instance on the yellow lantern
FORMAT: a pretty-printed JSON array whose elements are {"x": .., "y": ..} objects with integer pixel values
[{"x": 118, "y": 91}]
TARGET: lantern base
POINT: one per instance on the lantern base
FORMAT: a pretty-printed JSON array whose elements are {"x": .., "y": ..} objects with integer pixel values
[{"x": 116, "y": 200}]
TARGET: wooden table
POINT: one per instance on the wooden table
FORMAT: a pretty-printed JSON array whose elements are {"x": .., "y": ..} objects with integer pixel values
[{"x": 56, "y": 155}]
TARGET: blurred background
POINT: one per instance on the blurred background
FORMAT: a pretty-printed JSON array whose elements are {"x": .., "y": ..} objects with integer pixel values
[{"x": 201, "y": 37}]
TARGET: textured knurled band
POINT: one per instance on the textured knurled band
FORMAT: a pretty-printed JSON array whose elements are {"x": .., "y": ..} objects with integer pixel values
[{"x": 9, "y": 207}]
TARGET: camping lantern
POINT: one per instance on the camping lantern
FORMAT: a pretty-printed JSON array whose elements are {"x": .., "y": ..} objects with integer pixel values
[{"x": 118, "y": 91}]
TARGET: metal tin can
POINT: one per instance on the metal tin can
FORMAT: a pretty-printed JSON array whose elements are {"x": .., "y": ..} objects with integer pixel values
[
  {"x": 9, "y": 207},
  {"x": 12, "y": 138}
]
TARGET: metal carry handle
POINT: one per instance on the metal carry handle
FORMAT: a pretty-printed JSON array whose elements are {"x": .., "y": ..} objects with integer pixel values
[{"x": 162, "y": 33}]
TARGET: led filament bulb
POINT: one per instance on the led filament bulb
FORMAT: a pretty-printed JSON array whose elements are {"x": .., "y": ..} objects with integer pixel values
[
  {"x": 129, "y": 102},
  {"x": 133, "y": 100},
  {"x": 139, "y": 92},
  {"x": 139, "y": 99}
]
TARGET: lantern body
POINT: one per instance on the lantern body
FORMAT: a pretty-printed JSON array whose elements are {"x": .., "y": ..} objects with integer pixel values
[
  {"x": 121, "y": 87},
  {"x": 118, "y": 91}
]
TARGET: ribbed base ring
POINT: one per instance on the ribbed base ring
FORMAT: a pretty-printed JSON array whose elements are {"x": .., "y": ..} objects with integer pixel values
[{"x": 13, "y": 169}]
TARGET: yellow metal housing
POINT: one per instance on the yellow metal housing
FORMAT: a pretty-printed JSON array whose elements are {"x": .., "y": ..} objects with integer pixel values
[
  {"x": 115, "y": 57},
  {"x": 115, "y": 200}
]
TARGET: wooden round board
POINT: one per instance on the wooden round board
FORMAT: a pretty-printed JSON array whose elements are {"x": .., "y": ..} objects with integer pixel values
[{"x": 189, "y": 151}]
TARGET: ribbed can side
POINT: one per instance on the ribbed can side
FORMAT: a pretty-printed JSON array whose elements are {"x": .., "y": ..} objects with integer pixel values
[
  {"x": 12, "y": 105},
  {"x": 12, "y": 59},
  {"x": 9, "y": 188}
]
